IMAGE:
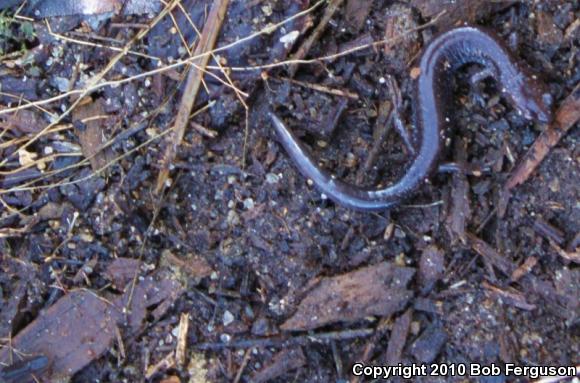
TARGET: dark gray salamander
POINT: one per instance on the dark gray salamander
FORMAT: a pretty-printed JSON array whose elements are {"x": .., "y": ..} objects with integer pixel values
[{"x": 440, "y": 59}]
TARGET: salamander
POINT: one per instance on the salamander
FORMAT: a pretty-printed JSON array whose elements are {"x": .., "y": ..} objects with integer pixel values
[{"x": 443, "y": 56}]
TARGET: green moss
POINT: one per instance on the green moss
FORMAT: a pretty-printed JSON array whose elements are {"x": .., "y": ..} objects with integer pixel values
[{"x": 14, "y": 33}]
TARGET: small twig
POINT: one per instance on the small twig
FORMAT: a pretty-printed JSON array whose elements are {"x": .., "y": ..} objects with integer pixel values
[
  {"x": 572, "y": 256},
  {"x": 207, "y": 41},
  {"x": 159, "y": 203},
  {"x": 514, "y": 298},
  {"x": 203, "y": 130},
  {"x": 307, "y": 44},
  {"x": 93, "y": 87},
  {"x": 490, "y": 254},
  {"x": 524, "y": 269},
  {"x": 14, "y": 142},
  {"x": 423, "y": 206},
  {"x": 385, "y": 42},
  {"x": 27, "y": 186},
  {"x": 382, "y": 128},
  {"x": 52, "y": 115},
  {"x": 243, "y": 365},
  {"x": 68, "y": 237},
  {"x": 119, "y": 337},
  {"x": 322, "y": 88},
  {"x": 166, "y": 363},
  {"x": 96, "y": 45},
  {"x": 229, "y": 83},
  {"x": 285, "y": 342},
  {"x": 40, "y": 163},
  {"x": 94, "y": 80},
  {"x": 181, "y": 347},
  {"x": 372, "y": 343},
  {"x": 566, "y": 117},
  {"x": 337, "y": 360},
  {"x": 460, "y": 209}
]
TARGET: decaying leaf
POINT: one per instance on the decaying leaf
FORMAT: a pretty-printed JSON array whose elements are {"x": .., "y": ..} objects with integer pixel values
[
  {"x": 373, "y": 290},
  {"x": 81, "y": 326}
]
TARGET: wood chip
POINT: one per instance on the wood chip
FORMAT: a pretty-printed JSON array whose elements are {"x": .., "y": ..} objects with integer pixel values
[
  {"x": 194, "y": 266},
  {"x": 357, "y": 12},
  {"x": 81, "y": 326},
  {"x": 89, "y": 121},
  {"x": 399, "y": 19},
  {"x": 122, "y": 271},
  {"x": 431, "y": 267},
  {"x": 284, "y": 361},
  {"x": 548, "y": 32},
  {"x": 374, "y": 290},
  {"x": 455, "y": 11},
  {"x": 24, "y": 121},
  {"x": 78, "y": 328},
  {"x": 398, "y": 338},
  {"x": 490, "y": 254},
  {"x": 426, "y": 348}
]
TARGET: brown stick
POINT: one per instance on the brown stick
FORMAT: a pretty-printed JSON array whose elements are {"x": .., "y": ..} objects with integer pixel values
[
  {"x": 568, "y": 114},
  {"x": 286, "y": 342},
  {"x": 305, "y": 47},
  {"x": 490, "y": 254},
  {"x": 207, "y": 41},
  {"x": 513, "y": 297},
  {"x": 322, "y": 88}
]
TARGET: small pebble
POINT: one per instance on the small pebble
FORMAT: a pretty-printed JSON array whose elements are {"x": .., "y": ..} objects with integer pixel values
[
  {"x": 249, "y": 204},
  {"x": 228, "y": 318},
  {"x": 272, "y": 178}
]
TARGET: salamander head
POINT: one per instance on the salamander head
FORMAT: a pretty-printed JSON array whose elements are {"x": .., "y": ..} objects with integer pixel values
[{"x": 535, "y": 102}]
